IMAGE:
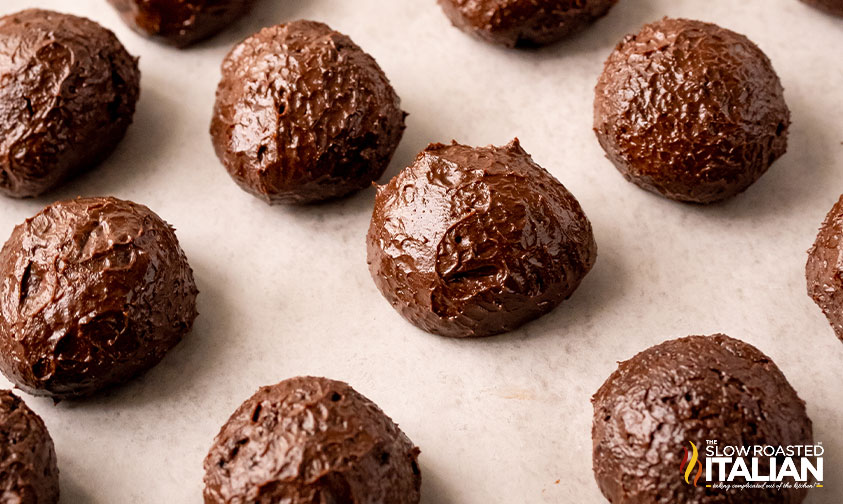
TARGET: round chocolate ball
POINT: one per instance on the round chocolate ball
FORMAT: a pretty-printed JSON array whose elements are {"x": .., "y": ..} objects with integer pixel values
[
  {"x": 691, "y": 111},
  {"x": 28, "y": 471},
  {"x": 524, "y": 23},
  {"x": 476, "y": 241},
  {"x": 311, "y": 440},
  {"x": 824, "y": 271},
  {"x": 691, "y": 390},
  {"x": 304, "y": 115},
  {"x": 831, "y": 6},
  {"x": 94, "y": 292},
  {"x": 67, "y": 97},
  {"x": 180, "y": 22}
]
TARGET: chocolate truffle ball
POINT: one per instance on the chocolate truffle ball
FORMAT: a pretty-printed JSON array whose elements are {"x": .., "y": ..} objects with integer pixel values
[
  {"x": 524, "y": 23},
  {"x": 94, "y": 292},
  {"x": 831, "y": 6},
  {"x": 180, "y": 22},
  {"x": 691, "y": 111},
  {"x": 475, "y": 241},
  {"x": 67, "y": 97},
  {"x": 824, "y": 271},
  {"x": 691, "y": 390},
  {"x": 304, "y": 115},
  {"x": 28, "y": 472},
  {"x": 311, "y": 440}
]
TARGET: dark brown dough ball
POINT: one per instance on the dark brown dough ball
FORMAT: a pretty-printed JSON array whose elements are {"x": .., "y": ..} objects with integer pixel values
[
  {"x": 831, "y": 6},
  {"x": 304, "y": 115},
  {"x": 824, "y": 271},
  {"x": 28, "y": 471},
  {"x": 691, "y": 111},
  {"x": 476, "y": 241},
  {"x": 524, "y": 23},
  {"x": 67, "y": 95},
  {"x": 311, "y": 440},
  {"x": 94, "y": 292},
  {"x": 691, "y": 390},
  {"x": 180, "y": 22}
]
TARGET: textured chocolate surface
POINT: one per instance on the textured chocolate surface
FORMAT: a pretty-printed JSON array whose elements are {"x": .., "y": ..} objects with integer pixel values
[
  {"x": 691, "y": 390},
  {"x": 831, "y": 6},
  {"x": 180, "y": 22},
  {"x": 304, "y": 115},
  {"x": 94, "y": 292},
  {"x": 28, "y": 472},
  {"x": 524, "y": 23},
  {"x": 477, "y": 241},
  {"x": 311, "y": 440},
  {"x": 67, "y": 95},
  {"x": 691, "y": 111},
  {"x": 824, "y": 271}
]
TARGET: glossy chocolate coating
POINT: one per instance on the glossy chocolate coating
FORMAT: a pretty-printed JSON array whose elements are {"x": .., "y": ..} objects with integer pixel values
[
  {"x": 691, "y": 111},
  {"x": 691, "y": 389},
  {"x": 94, "y": 292},
  {"x": 311, "y": 440},
  {"x": 524, "y": 23},
  {"x": 180, "y": 22},
  {"x": 304, "y": 115},
  {"x": 476, "y": 241},
  {"x": 824, "y": 271},
  {"x": 67, "y": 97},
  {"x": 831, "y": 6},
  {"x": 28, "y": 471}
]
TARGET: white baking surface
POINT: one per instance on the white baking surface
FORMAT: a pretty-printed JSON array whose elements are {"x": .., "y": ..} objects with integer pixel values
[{"x": 286, "y": 291}]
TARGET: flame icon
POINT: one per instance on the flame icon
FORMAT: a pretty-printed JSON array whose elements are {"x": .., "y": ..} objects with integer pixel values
[{"x": 688, "y": 465}]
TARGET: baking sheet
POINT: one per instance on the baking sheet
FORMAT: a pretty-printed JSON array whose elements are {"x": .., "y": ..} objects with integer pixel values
[{"x": 286, "y": 291}]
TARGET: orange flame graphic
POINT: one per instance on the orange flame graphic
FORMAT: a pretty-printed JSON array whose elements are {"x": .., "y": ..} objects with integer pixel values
[{"x": 688, "y": 465}]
